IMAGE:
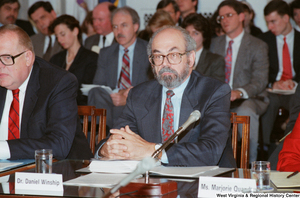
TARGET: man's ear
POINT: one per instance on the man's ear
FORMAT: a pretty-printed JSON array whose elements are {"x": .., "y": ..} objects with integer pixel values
[
  {"x": 192, "y": 58},
  {"x": 29, "y": 56}
]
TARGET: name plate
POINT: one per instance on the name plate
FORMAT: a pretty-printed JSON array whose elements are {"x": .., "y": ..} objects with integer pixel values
[
  {"x": 38, "y": 184},
  {"x": 217, "y": 186}
]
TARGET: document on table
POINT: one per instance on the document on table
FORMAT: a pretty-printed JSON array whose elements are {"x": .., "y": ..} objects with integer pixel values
[
  {"x": 280, "y": 181},
  {"x": 87, "y": 87},
  {"x": 102, "y": 180},
  {"x": 9, "y": 164},
  {"x": 127, "y": 166}
]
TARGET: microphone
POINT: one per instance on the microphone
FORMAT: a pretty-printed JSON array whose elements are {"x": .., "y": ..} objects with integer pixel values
[
  {"x": 143, "y": 166},
  {"x": 195, "y": 115}
]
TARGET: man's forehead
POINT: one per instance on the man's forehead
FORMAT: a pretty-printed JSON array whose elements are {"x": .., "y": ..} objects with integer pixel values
[{"x": 168, "y": 40}]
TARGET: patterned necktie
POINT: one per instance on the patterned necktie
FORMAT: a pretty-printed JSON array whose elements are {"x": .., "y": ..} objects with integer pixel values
[
  {"x": 286, "y": 62},
  {"x": 13, "y": 123},
  {"x": 228, "y": 61},
  {"x": 124, "y": 80},
  {"x": 47, "y": 54},
  {"x": 168, "y": 117}
]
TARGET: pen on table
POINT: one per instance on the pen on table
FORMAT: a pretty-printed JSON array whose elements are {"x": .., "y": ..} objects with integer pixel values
[
  {"x": 293, "y": 174},
  {"x": 285, "y": 136}
]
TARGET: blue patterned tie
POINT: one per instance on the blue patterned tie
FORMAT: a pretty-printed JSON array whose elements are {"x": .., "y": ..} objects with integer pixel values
[{"x": 228, "y": 62}]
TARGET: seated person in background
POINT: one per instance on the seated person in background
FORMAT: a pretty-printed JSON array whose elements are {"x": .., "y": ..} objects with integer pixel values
[
  {"x": 249, "y": 26},
  {"x": 158, "y": 20},
  {"x": 87, "y": 26},
  {"x": 38, "y": 103},
  {"x": 206, "y": 62},
  {"x": 171, "y": 7},
  {"x": 295, "y": 13},
  {"x": 9, "y": 10},
  {"x": 293, "y": 116},
  {"x": 120, "y": 66},
  {"x": 75, "y": 58},
  {"x": 289, "y": 156},
  {"x": 44, "y": 43},
  {"x": 156, "y": 108},
  {"x": 284, "y": 56},
  {"x": 246, "y": 68},
  {"x": 216, "y": 27}
]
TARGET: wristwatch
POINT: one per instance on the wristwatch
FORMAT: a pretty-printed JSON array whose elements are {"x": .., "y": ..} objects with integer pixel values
[{"x": 241, "y": 94}]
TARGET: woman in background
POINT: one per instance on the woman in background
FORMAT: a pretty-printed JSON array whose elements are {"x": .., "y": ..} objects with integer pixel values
[
  {"x": 206, "y": 63},
  {"x": 87, "y": 26},
  {"x": 75, "y": 58},
  {"x": 158, "y": 20}
]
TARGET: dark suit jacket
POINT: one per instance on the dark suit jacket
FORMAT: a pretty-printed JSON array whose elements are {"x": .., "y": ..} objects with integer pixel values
[
  {"x": 26, "y": 26},
  {"x": 270, "y": 39},
  {"x": 203, "y": 143},
  {"x": 91, "y": 41},
  {"x": 107, "y": 66},
  {"x": 38, "y": 41},
  {"x": 251, "y": 67},
  {"x": 50, "y": 119},
  {"x": 211, "y": 65},
  {"x": 83, "y": 67}
]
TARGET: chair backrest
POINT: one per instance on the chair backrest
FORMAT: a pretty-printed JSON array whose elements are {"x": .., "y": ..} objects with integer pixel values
[
  {"x": 245, "y": 121},
  {"x": 92, "y": 112}
]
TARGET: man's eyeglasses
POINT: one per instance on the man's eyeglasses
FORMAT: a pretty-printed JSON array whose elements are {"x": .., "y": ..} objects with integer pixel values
[
  {"x": 228, "y": 15},
  {"x": 8, "y": 60},
  {"x": 173, "y": 58}
]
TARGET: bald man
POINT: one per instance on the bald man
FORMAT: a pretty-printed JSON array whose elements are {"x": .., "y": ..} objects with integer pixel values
[{"x": 102, "y": 25}]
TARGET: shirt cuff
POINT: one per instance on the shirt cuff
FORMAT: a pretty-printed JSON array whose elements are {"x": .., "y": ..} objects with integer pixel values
[
  {"x": 164, "y": 157},
  {"x": 4, "y": 150},
  {"x": 245, "y": 95}
]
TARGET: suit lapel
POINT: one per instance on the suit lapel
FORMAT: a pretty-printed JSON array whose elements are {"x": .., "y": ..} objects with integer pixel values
[
  {"x": 30, "y": 98},
  {"x": 201, "y": 62},
  {"x": 2, "y": 100},
  {"x": 188, "y": 104},
  {"x": 296, "y": 61},
  {"x": 151, "y": 116},
  {"x": 240, "y": 59},
  {"x": 114, "y": 64},
  {"x": 135, "y": 63}
]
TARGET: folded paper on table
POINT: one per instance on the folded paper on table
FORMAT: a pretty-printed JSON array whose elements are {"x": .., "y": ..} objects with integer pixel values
[
  {"x": 10, "y": 164},
  {"x": 113, "y": 166},
  {"x": 127, "y": 166},
  {"x": 280, "y": 181},
  {"x": 283, "y": 92},
  {"x": 87, "y": 87},
  {"x": 102, "y": 180}
]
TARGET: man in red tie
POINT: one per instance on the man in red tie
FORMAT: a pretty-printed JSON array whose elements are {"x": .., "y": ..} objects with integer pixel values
[
  {"x": 157, "y": 108},
  {"x": 246, "y": 67},
  {"x": 38, "y": 108},
  {"x": 284, "y": 57},
  {"x": 120, "y": 66}
]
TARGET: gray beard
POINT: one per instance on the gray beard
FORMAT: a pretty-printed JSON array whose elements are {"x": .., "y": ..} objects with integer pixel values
[{"x": 170, "y": 82}]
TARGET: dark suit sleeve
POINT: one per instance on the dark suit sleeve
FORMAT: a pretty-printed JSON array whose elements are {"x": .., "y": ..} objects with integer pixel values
[
  {"x": 202, "y": 145},
  {"x": 207, "y": 143},
  {"x": 52, "y": 124}
]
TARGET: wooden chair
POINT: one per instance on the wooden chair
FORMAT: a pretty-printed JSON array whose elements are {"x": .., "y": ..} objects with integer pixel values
[
  {"x": 92, "y": 112},
  {"x": 245, "y": 120}
]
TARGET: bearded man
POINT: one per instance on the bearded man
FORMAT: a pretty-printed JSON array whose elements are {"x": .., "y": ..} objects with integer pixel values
[{"x": 155, "y": 108}]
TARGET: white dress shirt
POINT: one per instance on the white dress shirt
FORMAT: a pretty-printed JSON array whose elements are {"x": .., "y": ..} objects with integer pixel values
[
  {"x": 108, "y": 40},
  {"x": 197, "y": 58},
  {"x": 4, "y": 148},
  {"x": 47, "y": 40},
  {"x": 235, "y": 50}
]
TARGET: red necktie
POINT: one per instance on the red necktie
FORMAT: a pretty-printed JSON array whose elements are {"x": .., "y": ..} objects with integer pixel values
[
  {"x": 228, "y": 61},
  {"x": 286, "y": 62},
  {"x": 168, "y": 117},
  {"x": 13, "y": 123},
  {"x": 124, "y": 80}
]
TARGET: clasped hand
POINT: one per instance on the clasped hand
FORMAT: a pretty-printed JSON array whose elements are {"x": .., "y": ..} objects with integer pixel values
[
  {"x": 125, "y": 144},
  {"x": 284, "y": 84}
]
